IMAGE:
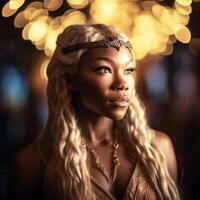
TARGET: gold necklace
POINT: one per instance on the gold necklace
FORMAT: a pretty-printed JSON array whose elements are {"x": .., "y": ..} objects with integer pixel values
[{"x": 100, "y": 167}]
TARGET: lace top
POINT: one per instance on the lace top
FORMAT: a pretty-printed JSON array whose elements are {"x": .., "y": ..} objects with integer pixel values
[{"x": 138, "y": 187}]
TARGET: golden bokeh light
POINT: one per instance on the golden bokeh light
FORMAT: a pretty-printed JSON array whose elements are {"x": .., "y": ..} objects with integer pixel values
[
  {"x": 156, "y": 39},
  {"x": 172, "y": 39},
  {"x": 114, "y": 12},
  {"x": 50, "y": 44},
  {"x": 183, "y": 19},
  {"x": 7, "y": 11},
  {"x": 147, "y": 5},
  {"x": 159, "y": 10},
  {"x": 36, "y": 4},
  {"x": 184, "y": 10},
  {"x": 20, "y": 20},
  {"x": 73, "y": 17},
  {"x": 28, "y": 12},
  {"x": 151, "y": 27},
  {"x": 168, "y": 50},
  {"x": 78, "y": 4},
  {"x": 43, "y": 68},
  {"x": 38, "y": 13},
  {"x": 184, "y": 2},
  {"x": 16, "y": 4},
  {"x": 138, "y": 42},
  {"x": 183, "y": 34},
  {"x": 99, "y": 11},
  {"x": 55, "y": 23},
  {"x": 52, "y": 5},
  {"x": 39, "y": 44},
  {"x": 38, "y": 30},
  {"x": 26, "y": 30}
]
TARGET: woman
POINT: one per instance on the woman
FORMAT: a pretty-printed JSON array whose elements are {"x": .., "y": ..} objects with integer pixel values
[{"x": 96, "y": 143}]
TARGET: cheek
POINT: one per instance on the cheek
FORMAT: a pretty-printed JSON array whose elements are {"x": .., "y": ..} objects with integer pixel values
[{"x": 92, "y": 88}]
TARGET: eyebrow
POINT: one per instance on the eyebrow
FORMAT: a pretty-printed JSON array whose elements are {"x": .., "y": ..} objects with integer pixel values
[{"x": 110, "y": 60}]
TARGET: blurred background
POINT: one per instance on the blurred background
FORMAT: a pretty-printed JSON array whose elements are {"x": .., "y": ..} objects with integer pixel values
[{"x": 166, "y": 41}]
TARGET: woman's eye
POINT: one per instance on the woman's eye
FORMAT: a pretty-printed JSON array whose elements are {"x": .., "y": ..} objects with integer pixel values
[
  {"x": 103, "y": 70},
  {"x": 129, "y": 71}
]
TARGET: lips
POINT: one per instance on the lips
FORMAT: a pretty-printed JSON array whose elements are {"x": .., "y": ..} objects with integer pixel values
[{"x": 120, "y": 101}]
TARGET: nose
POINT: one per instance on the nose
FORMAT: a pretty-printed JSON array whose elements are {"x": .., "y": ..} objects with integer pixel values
[{"x": 120, "y": 83}]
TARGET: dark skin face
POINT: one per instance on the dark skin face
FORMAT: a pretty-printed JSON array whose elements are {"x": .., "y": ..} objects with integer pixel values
[{"x": 105, "y": 82}]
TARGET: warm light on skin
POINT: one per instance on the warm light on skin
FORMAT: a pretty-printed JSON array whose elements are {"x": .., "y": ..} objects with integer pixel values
[
  {"x": 124, "y": 58},
  {"x": 105, "y": 76}
]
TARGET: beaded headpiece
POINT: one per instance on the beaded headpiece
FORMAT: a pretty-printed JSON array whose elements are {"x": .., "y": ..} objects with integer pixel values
[{"x": 116, "y": 43}]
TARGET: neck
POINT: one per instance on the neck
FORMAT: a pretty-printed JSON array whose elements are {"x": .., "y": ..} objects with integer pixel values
[
  {"x": 97, "y": 131},
  {"x": 95, "y": 128}
]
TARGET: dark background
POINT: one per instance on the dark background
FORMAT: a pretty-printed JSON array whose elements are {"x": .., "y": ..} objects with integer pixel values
[{"x": 168, "y": 86}]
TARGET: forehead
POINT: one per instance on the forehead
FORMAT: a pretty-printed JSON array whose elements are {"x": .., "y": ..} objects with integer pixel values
[{"x": 122, "y": 56}]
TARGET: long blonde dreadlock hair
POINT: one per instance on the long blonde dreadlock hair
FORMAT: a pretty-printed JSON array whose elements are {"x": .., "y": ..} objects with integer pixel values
[{"x": 67, "y": 156}]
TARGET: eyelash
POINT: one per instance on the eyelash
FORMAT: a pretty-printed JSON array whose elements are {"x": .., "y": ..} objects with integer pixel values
[
  {"x": 99, "y": 69},
  {"x": 131, "y": 70},
  {"x": 107, "y": 69}
]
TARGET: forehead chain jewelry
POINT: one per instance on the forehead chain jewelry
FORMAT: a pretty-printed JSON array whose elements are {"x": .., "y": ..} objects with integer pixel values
[
  {"x": 116, "y": 43},
  {"x": 100, "y": 167}
]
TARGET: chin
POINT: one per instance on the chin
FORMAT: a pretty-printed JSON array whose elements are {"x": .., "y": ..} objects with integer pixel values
[{"x": 117, "y": 115}]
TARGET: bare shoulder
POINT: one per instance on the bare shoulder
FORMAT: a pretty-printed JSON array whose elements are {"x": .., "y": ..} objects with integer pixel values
[
  {"x": 164, "y": 144},
  {"x": 28, "y": 159},
  {"x": 26, "y": 173}
]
